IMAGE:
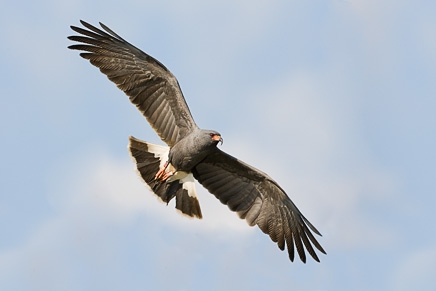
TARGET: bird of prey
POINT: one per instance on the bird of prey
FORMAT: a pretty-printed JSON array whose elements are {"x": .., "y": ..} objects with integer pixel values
[{"x": 192, "y": 152}]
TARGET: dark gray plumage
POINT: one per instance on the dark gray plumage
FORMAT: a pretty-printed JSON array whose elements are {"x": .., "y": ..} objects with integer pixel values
[{"x": 192, "y": 151}]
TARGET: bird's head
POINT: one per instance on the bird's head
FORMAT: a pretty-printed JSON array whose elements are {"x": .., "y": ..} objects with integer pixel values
[{"x": 205, "y": 140}]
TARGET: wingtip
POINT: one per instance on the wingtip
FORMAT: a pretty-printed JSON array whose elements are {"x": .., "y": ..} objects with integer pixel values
[{"x": 321, "y": 249}]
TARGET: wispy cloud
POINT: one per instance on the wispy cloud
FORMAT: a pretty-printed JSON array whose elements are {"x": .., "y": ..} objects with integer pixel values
[
  {"x": 98, "y": 197},
  {"x": 415, "y": 271}
]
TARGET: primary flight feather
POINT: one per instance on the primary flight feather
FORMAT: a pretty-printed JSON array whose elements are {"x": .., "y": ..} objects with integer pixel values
[{"x": 192, "y": 152}]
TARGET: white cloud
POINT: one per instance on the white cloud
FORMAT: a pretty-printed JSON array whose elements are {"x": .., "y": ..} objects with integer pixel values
[
  {"x": 112, "y": 188},
  {"x": 96, "y": 199},
  {"x": 416, "y": 271},
  {"x": 316, "y": 152}
]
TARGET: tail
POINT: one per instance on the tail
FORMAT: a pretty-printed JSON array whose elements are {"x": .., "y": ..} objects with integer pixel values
[{"x": 149, "y": 159}]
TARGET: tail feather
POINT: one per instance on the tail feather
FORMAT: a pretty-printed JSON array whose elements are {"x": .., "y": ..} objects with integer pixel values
[{"x": 149, "y": 158}]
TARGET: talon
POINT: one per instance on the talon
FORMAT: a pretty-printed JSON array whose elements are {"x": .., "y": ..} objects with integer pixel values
[
  {"x": 161, "y": 172},
  {"x": 166, "y": 176}
]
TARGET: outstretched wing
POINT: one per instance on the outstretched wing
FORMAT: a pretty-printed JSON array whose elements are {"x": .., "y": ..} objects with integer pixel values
[
  {"x": 149, "y": 85},
  {"x": 260, "y": 200}
]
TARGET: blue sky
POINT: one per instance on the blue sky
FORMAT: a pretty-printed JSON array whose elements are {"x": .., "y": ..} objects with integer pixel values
[{"x": 333, "y": 99}]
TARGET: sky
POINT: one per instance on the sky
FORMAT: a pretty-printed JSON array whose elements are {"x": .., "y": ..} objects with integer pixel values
[{"x": 333, "y": 99}]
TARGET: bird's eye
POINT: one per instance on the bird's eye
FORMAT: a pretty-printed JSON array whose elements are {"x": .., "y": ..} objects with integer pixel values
[{"x": 211, "y": 134}]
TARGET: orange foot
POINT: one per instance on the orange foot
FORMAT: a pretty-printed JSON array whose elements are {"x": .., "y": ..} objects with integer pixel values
[
  {"x": 161, "y": 175},
  {"x": 166, "y": 176}
]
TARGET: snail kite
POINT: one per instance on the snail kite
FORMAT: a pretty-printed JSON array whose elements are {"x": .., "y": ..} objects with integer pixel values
[{"x": 192, "y": 152}]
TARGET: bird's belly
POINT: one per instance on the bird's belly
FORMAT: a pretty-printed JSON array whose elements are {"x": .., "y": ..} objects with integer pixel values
[{"x": 185, "y": 163}]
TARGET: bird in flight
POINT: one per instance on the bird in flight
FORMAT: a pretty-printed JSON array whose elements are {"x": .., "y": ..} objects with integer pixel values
[{"x": 192, "y": 153}]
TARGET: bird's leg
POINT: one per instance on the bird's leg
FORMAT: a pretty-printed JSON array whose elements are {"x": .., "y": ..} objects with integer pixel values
[{"x": 161, "y": 175}]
